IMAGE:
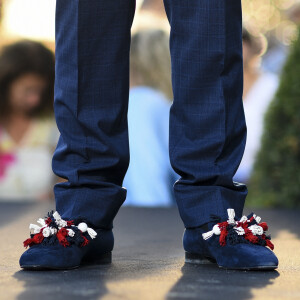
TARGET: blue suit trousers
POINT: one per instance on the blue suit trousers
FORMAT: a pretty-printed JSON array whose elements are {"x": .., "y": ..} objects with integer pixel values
[{"x": 207, "y": 129}]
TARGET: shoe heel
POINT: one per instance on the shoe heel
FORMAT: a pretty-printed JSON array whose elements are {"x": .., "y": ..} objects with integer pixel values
[
  {"x": 198, "y": 259},
  {"x": 102, "y": 259}
]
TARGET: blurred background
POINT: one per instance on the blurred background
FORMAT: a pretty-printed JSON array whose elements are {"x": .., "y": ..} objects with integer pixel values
[{"x": 28, "y": 134}]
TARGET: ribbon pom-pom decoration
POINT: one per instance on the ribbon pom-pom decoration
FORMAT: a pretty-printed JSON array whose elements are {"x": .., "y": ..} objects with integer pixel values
[
  {"x": 54, "y": 229},
  {"x": 246, "y": 230}
]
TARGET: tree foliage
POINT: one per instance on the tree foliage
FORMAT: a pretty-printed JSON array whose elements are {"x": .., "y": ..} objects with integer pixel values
[{"x": 275, "y": 180}]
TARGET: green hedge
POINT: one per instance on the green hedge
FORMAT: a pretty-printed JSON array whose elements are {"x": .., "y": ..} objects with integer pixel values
[{"x": 275, "y": 180}]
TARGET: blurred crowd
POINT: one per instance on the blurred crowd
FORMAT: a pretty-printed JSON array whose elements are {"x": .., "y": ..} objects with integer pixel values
[{"x": 28, "y": 131}]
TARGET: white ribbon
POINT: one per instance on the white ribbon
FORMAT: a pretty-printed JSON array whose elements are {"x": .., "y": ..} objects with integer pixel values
[
  {"x": 231, "y": 215},
  {"x": 83, "y": 227},
  {"x": 36, "y": 228},
  {"x": 215, "y": 230},
  {"x": 256, "y": 229}
]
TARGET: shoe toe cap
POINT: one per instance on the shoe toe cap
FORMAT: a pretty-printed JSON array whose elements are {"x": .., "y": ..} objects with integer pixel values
[
  {"x": 54, "y": 257},
  {"x": 250, "y": 256}
]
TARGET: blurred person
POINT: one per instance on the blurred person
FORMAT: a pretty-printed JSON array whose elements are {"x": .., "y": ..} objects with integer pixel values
[
  {"x": 150, "y": 98},
  {"x": 150, "y": 14},
  {"x": 207, "y": 136},
  {"x": 293, "y": 13},
  {"x": 259, "y": 89},
  {"x": 28, "y": 132},
  {"x": 275, "y": 58},
  {"x": 153, "y": 6}
]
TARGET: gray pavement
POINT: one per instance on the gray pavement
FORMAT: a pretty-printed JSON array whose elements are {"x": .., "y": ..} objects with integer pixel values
[{"x": 148, "y": 261}]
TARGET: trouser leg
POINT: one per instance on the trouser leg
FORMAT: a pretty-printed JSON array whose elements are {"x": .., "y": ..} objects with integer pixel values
[
  {"x": 207, "y": 121},
  {"x": 91, "y": 101}
]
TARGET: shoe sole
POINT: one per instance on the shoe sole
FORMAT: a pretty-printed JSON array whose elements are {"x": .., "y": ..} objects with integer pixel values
[
  {"x": 203, "y": 260},
  {"x": 258, "y": 268},
  {"x": 105, "y": 258}
]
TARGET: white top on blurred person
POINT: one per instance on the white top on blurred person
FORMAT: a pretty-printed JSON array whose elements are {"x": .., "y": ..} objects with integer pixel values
[{"x": 28, "y": 131}]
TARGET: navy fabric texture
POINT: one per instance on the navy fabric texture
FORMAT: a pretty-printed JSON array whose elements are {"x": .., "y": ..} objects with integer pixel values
[
  {"x": 91, "y": 103},
  {"x": 207, "y": 129},
  {"x": 207, "y": 121}
]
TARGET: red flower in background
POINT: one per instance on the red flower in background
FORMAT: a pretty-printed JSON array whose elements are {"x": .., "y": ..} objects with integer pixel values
[{"x": 5, "y": 160}]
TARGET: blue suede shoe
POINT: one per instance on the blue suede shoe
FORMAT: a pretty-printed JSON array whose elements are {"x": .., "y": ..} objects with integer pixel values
[
  {"x": 231, "y": 244},
  {"x": 60, "y": 245}
]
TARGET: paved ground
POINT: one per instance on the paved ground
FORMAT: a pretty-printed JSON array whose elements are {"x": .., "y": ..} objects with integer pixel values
[{"x": 147, "y": 262}]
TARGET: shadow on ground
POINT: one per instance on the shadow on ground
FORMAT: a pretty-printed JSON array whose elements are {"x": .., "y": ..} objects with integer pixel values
[
  {"x": 210, "y": 282},
  {"x": 10, "y": 212}
]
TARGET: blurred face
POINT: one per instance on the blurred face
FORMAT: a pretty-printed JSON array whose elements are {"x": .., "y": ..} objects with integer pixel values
[
  {"x": 251, "y": 60},
  {"x": 247, "y": 53},
  {"x": 25, "y": 92}
]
